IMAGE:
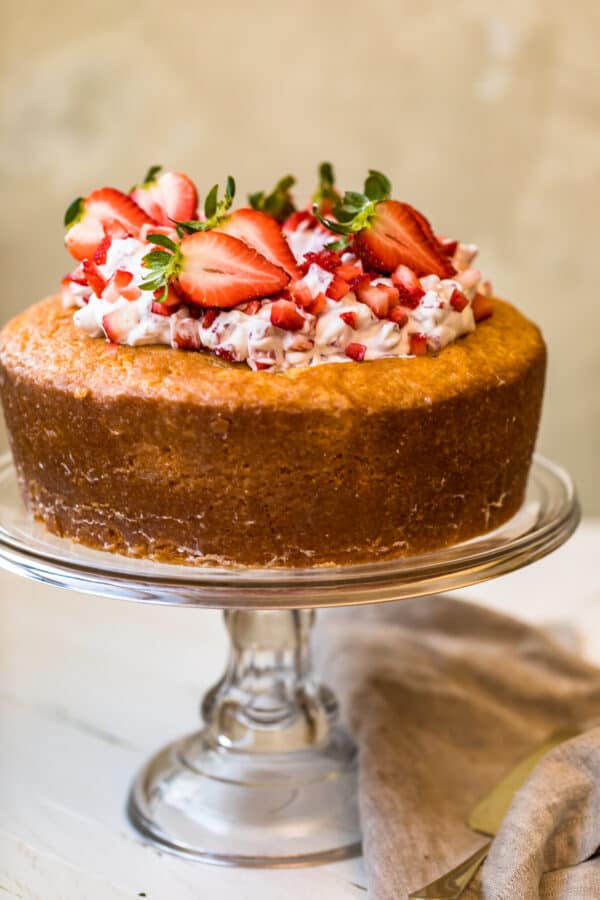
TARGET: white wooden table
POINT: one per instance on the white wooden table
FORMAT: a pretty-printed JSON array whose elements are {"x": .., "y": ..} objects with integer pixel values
[{"x": 90, "y": 687}]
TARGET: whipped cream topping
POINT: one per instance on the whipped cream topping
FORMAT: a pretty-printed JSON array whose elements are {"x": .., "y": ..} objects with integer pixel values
[{"x": 246, "y": 333}]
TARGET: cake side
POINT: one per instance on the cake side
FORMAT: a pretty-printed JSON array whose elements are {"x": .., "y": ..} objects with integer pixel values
[{"x": 153, "y": 452}]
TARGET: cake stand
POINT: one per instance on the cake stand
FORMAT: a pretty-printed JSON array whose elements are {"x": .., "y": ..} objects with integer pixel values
[{"x": 270, "y": 779}]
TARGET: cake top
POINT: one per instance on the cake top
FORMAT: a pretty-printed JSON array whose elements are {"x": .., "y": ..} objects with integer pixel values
[{"x": 350, "y": 277}]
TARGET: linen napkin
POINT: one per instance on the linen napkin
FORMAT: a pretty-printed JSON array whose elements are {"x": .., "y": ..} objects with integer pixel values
[{"x": 443, "y": 698}]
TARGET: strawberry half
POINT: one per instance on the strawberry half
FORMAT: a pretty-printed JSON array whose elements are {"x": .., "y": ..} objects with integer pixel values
[
  {"x": 263, "y": 233},
  {"x": 396, "y": 236},
  {"x": 216, "y": 269},
  {"x": 86, "y": 220},
  {"x": 167, "y": 197}
]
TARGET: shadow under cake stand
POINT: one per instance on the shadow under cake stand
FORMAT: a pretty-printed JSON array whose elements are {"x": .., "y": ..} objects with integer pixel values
[{"x": 270, "y": 779}]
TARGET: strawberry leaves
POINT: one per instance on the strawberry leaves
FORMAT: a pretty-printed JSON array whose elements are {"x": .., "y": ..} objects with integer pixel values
[
  {"x": 279, "y": 204},
  {"x": 355, "y": 211},
  {"x": 163, "y": 266},
  {"x": 215, "y": 210}
]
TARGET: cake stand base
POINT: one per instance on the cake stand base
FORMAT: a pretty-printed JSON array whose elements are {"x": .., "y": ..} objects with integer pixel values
[{"x": 271, "y": 779}]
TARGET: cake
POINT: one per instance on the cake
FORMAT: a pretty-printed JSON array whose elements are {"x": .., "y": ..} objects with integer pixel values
[{"x": 269, "y": 386}]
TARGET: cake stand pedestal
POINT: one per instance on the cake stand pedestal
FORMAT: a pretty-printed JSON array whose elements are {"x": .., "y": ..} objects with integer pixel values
[{"x": 270, "y": 779}]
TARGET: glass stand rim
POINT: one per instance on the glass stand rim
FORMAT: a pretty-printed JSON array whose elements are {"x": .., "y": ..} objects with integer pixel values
[{"x": 549, "y": 515}]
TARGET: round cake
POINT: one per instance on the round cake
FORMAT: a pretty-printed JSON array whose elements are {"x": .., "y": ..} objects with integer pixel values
[{"x": 145, "y": 448}]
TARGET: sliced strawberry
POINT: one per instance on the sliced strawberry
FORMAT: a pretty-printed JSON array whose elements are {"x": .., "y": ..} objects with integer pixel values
[
  {"x": 122, "y": 280},
  {"x": 338, "y": 288},
  {"x": 483, "y": 307},
  {"x": 356, "y": 351},
  {"x": 399, "y": 316},
  {"x": 284, "y": 314},
  {"x": 299, "y": 218},
  {"x": 88, "y": 217},
  {"x": 418, "y": 344},
  {"x": 219, "y": 270},
  {"x": 186, "y": 334},
  {"x": 167, "y": 197},
  {"x": 118, "y": 323},
  {"x": 380, "y": 298},
  {"x": 263, "y": 233},
  {"x": 349, "y": 318},
  {"x": 408, "y": 285},
  {"x": 458, "y": 301},
  {"x": 447, "y": 244},
  {"x": 399, "y": 234},
  {"x": 94, "y": 277}
]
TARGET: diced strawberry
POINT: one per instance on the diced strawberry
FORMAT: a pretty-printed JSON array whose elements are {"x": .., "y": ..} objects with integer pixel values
[
  {"x": 161, "y": 309},
  {"x": 301, "y": 294},
  {"x": 347, "y": 271},
  {"x": 418, "y": 344},
  {"x": 325, "y": 259},
  {"x": 356, "y": 351},
  {"x": 186, "y": 334},
  {"x": 118, "y": 323},
  {"x": 359, "y": 280},
  {"x": 122, "y": 280},
  {"x": 227, "y": 353},
  {"x": 102, "y": 250},
  {"x": 338, "y": 288},
  {"x": 408, "y": 285},
  {"x": 458, "y": 301},
  {"x": 284, "y": 314},
  {"x": 219, "y": 270},
  {"x": 209, "y": 317},
  {"x": 94, "y": 277},
  {"x": 318, "y": 305},
  {"x": 349, "y": 318},
  {"x": 469, "y": 278},
  {"x": 298, "y": 218},
  {"x": 447, "y": 244},
  {"x": 77, "y": 275},
  {"x": 399, "y": 316},
  {"x": 400, "y": 234},
  {"x": 483, "y": 307},
  {"x": 251, "y": 308},
  {"x": 261, "y": 366},
  {"x": 380, "y": 298},
  {"x": 263, "y": 233},
  {"x": 169, "y": 197},
  {"x": 88, "y": 218}
]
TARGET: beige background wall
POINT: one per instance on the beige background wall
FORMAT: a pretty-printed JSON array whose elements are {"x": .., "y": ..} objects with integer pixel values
[{"x": 485, "y": 114}]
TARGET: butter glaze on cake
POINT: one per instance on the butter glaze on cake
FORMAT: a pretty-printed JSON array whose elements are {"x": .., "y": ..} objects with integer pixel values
[{"x": 176, "y": 456}]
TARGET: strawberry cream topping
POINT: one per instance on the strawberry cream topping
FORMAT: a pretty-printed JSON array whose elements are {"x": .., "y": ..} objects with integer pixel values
[{"x": 274, "y": 295}]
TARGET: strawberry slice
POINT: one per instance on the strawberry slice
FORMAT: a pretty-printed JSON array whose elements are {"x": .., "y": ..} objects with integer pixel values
[
  {"x": 380, "y": 298},
  {"x": 216, "y": 269},
  {"x": 408, "y": 285},
  {"x": 263, "y": 233},
  {"x": 482, "y": 307},
  {"x": 167, "y": 197},
  {"x": 85, "y": 220},
  {"x": 118, "y": 323},
  {"x": 356, "y": 351},
  {"x": 398, "y": 234},
  {"x": 284, "y": 314},
  {"x": 94, "y": 277}
]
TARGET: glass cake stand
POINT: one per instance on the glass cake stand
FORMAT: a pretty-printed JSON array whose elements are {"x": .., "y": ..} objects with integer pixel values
[{"x": 270, "y": 779}]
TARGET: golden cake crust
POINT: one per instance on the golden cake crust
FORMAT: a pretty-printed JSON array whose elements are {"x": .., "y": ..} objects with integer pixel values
[{"x": 180, "y": 456}]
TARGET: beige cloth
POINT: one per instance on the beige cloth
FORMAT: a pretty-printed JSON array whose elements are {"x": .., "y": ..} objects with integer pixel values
[{"x": 444, "y": 698}]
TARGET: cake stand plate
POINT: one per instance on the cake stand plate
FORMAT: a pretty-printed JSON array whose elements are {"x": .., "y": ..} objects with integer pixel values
[{"x": 270, "y": 779}]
